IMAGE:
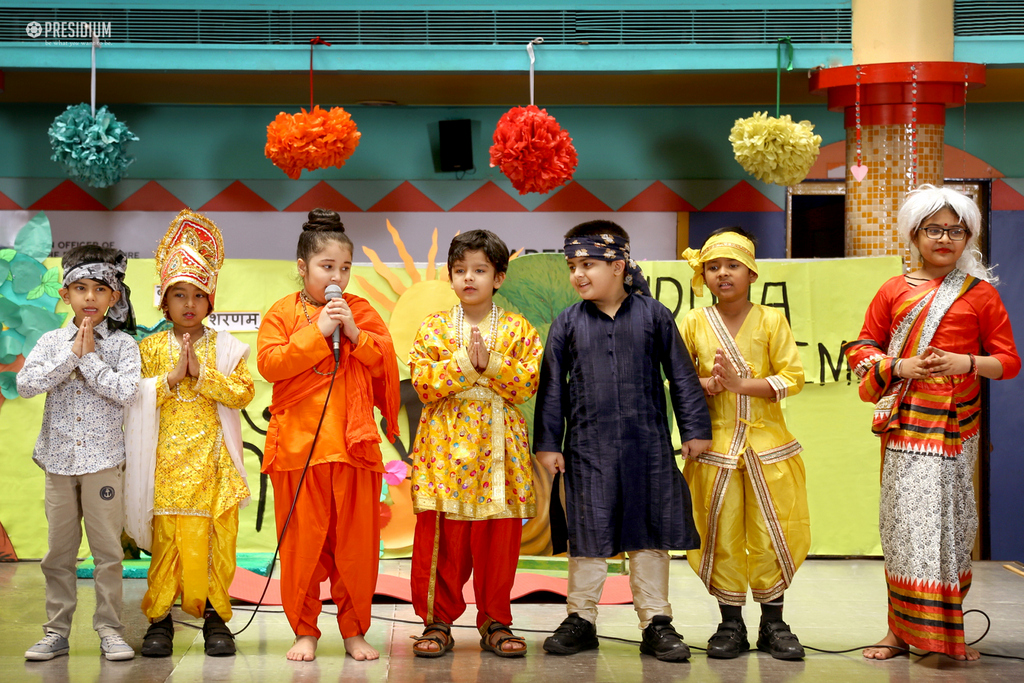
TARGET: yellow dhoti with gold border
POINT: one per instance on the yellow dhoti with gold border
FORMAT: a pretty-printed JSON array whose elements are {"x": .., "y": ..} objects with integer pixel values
[
  {"x": 198, "y": 486},
  {"x": 754, "y": 526}
]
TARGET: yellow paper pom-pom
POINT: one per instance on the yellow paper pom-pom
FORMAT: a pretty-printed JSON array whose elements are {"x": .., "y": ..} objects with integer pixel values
[{"x": 775, "y": 150}]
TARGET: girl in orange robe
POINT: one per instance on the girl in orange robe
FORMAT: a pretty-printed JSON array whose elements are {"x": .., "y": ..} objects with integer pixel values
[{"x": 334, "y": 531}]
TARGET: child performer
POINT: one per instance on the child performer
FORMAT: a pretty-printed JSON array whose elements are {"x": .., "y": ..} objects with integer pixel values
[
  {"x": 185, "y": 479},
  {"x": 602, "y": 403},
  {"x": 927, "y": 338},
  {"x": 749, "y": 488},
  {"x": 90, "y": 371},
  {"x": 472, "y": 476},
  {"x": 334, "y": 530}
]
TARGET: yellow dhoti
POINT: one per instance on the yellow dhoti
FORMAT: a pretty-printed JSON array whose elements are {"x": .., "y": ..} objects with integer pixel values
[
  {"x": 754, "y": 526},
  {"x": 193, "y": 557}
]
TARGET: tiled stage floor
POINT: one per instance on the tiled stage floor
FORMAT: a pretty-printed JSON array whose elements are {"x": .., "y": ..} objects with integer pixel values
[{"x": 834, "y": 604}]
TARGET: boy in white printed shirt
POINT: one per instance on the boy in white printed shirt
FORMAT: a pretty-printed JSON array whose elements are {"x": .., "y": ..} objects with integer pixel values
[{"x": 90, "y": 371}]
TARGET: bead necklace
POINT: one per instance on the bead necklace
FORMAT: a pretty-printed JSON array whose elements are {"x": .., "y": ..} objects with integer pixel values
[
  {"x": 172, "y": 343},
  {"x": 460, "y": 319},
  {"x": 303, "y": 298}
]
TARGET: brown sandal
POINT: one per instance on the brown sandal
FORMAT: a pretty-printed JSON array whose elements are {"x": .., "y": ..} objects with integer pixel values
[
  {"x": 506, "y": 636},
  {"x": 439, "y": 633}
]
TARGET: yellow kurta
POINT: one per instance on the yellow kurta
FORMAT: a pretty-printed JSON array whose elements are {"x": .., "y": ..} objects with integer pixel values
[
  {"x": 471, "y": 458},
  {"x": 198, "y": 488},
  {"x": 749, "y": 488}
]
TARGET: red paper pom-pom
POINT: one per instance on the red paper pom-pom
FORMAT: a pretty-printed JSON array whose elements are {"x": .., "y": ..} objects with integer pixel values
[
  {"x": 532, "y": 150},
  {"x": 313, "y": 140}
]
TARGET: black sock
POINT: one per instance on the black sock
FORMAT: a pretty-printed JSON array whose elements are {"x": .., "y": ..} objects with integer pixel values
[
  {"x": 771, "y": 611},
  {"x": 731, "y": 612},
  {"x": 209, "y": 611}
]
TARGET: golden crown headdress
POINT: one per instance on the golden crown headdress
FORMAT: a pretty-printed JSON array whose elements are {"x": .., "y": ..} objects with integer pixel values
[{"x": 191, "y": 251}]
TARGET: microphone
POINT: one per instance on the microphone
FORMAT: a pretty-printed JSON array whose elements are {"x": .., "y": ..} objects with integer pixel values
[{"x": 334, "y": 292}]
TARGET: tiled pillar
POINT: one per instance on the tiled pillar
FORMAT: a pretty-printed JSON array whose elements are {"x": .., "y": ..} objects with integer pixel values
[
  {"x": 893, "y": 104},
  {"x": 871, "y": 204}
]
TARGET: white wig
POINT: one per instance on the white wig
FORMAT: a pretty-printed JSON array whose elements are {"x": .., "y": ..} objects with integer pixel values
[{"x": 926, "y": 201}]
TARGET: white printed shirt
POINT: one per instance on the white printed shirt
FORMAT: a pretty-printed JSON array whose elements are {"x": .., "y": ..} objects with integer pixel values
[{"x": 82, "y": 430}]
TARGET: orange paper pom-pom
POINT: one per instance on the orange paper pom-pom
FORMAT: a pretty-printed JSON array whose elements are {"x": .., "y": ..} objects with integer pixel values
[
  {"x": 313, "y": 140},
  {"x": 532, "y": 150}
]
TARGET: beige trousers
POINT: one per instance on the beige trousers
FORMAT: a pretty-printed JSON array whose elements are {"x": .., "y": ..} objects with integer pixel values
[
  {"x": 97, "y": 499},
  {"x": 648, "y": 580}
]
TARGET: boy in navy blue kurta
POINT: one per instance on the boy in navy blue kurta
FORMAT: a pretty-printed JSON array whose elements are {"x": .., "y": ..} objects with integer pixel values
[{"x": 602, "y": 404}]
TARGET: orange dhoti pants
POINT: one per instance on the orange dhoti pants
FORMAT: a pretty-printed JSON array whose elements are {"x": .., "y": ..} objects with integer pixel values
[
  {"x": 334, "y": 534},
  {"x": 446, "y": 551}
]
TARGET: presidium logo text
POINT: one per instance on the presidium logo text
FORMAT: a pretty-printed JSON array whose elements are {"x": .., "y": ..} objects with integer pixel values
[{"x": 68, "y": 30}]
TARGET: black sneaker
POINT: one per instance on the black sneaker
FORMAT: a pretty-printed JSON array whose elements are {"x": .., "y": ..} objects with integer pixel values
[
  {"x": 573, "y": 635},
  {"x": 729, "y": 641},
  {"x": 159, "y": 639},
  {"x": 775, "y": 638},
  {"x": 662, "y": 641},
  {"x": 217, "y": 637}
]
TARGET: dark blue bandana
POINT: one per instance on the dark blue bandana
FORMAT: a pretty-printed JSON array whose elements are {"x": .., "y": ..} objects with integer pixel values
[{"x": 607, "y": 247}]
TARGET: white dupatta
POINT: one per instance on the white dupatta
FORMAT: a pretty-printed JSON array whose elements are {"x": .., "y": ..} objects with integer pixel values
[{"x": 142, "y": 428}]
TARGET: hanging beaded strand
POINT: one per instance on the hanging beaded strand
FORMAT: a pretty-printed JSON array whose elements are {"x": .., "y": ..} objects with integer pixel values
[
  {"x": 856, "y": 106},
  {"x": 913, "y": 126},
  {"x": 963, "y": 172}
]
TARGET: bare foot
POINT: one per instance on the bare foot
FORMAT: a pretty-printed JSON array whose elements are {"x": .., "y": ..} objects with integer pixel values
[
  {"x": 971, "y": 656},
  {"x": 880, "y": 651},
  {"x": 359, "y": 649},
  {"x": 303, "y": 650}
]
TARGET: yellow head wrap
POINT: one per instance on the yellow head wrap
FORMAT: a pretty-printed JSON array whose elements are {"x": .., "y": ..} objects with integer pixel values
[{"x": 725, "y": 245}]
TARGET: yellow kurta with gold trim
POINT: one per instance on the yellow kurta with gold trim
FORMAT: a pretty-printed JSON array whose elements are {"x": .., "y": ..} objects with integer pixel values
[
  {"x": 766, "y": 343},
  {"x": 471, "y": 457},
  {"x": 194, "y": 472}
]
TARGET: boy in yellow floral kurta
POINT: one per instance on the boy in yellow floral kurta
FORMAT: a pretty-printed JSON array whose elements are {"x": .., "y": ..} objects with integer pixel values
[
  {"x": 472, "y": 480},
  {"x": 185, "y": 479}
]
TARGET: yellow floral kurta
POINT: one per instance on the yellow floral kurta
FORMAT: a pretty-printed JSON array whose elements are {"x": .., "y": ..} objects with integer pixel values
[
  {"x": 198, "y": 487},
  {"x": 749, "y": 488},
  {"x": 471, "y": 458}
]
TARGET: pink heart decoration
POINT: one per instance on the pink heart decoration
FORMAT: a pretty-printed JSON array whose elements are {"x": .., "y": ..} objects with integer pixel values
[{"x": 859, "y": 171}]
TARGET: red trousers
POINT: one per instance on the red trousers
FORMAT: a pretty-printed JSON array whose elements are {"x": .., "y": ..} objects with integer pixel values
[
  {"x": 334, "y": 534},
  {"x": 446, "y": 552}
]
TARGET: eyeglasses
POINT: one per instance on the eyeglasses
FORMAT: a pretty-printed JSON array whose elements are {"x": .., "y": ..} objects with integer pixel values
[{"x": 957, "y": 233}]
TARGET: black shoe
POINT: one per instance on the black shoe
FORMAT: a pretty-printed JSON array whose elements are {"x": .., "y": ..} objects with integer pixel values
[
  {"x": 729, "y": 641},
  {"x": 159, "y": 639},
  {"x": 217, "y": 637},
  {"x": 775, "y": 638},
  {"x": 573, "y": 635},
  {"x": 662, "y": 641}
]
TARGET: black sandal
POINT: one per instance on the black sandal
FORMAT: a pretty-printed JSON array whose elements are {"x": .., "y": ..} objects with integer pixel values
[
  {"x": 439, "y": 633},
  {"x": 489, "y": 629}
]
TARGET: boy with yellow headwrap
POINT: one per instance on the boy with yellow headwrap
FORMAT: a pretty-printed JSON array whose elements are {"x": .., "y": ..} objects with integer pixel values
[
  {"x": 749, "y": 488},
  {"x": 185, "y": 480}
]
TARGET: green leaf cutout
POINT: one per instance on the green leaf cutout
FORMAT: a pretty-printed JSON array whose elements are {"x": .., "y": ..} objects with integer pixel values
[{"x": 35, "y": 239}]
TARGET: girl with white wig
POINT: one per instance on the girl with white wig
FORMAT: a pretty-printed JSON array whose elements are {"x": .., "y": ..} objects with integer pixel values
[{"x": 928, "y": 337}]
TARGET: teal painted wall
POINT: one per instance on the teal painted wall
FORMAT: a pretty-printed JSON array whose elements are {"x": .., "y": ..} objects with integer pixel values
[{"x": 613, "y": 142}]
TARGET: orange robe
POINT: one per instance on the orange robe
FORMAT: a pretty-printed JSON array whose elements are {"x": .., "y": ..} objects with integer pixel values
[{"x": 334, "y": 531}]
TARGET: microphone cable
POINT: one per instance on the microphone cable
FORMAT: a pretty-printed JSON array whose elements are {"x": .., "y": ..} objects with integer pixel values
[{"x": 298, "y": 488}]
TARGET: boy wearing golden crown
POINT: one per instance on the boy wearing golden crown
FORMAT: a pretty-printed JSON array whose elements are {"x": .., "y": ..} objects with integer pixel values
[
  {"x": 185, "y": 480},
  {"x": 749, "y": 488}
]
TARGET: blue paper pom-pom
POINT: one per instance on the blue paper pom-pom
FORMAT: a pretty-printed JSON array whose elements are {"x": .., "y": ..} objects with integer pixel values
[{"x": 91, "y": 149}]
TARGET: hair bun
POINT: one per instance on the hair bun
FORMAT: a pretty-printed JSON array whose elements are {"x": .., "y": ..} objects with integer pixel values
[{"x": 324, "y": 220}]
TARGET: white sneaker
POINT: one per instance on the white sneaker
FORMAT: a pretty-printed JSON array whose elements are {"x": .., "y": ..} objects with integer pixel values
[
  {"x": 115, "y": 649},
  {"x": 52, "y": 645}
]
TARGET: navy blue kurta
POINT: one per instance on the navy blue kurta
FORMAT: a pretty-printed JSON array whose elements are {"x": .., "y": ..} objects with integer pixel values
[{"x": 601, "y": 403}]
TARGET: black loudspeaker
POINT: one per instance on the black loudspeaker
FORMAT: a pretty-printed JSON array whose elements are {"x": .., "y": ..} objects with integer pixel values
[{"x": 456, "y": 142}]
